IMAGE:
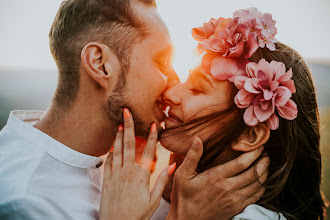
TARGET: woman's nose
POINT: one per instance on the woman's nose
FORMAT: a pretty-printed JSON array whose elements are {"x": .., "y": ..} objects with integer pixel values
[{"x": 172, "y": 95}]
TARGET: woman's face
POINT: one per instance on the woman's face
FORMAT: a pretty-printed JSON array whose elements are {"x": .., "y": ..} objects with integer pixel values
[{"x": 200, "y": 95}]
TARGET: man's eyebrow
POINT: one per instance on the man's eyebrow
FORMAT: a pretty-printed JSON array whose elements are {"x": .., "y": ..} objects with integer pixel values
[{"x": 198, "y": 74}]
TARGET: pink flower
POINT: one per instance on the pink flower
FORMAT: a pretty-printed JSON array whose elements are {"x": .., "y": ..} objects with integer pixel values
[
  {"x": 266, "y": 87},
  {"x": 232, "y": 41},
  {"x": 246, "y": 15},
  {"x": 208, "y": 29},
  {"x": 268, "y": 25},
  {"x": 223, "y": 68},
  {"x": 269, "y": 42}
]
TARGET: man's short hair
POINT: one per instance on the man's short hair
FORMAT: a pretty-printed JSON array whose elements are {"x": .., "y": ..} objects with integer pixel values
[{"x": 111, "y": 22}]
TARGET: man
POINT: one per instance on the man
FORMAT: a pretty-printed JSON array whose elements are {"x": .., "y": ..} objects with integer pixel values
[{"x": 110, "y": 54}]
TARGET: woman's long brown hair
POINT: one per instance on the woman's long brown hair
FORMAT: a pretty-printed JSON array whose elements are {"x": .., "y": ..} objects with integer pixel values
[{"x": 293, "y": 184}]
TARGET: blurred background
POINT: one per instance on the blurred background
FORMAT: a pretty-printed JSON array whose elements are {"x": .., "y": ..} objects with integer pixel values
[{"x": 28, "y": 74}]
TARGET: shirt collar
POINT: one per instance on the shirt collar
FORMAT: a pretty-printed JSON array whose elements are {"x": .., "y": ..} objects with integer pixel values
[{"x": 22, "y": 122}]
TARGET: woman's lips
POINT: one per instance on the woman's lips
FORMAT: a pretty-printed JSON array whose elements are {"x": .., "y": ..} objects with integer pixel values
[{"x": 173, "y": 118}]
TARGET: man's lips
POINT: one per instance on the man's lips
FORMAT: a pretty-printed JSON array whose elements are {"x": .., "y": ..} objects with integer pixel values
[{"x": 160, "y": 106}]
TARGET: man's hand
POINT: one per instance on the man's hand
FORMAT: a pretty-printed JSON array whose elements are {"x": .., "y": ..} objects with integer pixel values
[
  {"x": 220, "y": 192},
  {"x": 126, "y": 193}
]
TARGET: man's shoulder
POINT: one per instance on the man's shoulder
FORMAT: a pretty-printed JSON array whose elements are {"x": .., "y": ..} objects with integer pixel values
[{"x": 18, "y": 161}]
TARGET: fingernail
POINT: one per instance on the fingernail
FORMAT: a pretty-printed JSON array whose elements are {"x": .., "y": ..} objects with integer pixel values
[
  {"x": 154, "y": 127},
  {"x": 261, "y": 148},
  {"x": 127, "y": 113},
  {"x": 171, "y": 169},
  {"x": 195, "y": 143},
  {"x": 121, "y": 127}
]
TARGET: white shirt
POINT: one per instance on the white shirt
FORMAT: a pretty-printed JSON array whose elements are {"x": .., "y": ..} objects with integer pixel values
[
  {"x": 251, "y": 212},
  {"x": 256, "y": 212},
  {"x": 40, "y": 178}
]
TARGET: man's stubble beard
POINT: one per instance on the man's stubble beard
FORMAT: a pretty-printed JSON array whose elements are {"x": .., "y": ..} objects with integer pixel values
[{"x": 116, "y": 103}]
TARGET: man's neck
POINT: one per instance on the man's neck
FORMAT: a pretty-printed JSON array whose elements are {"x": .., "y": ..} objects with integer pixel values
[{"x": 88, "y": 131}]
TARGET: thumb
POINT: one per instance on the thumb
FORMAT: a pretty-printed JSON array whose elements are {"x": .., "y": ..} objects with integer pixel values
[
  {"x": 190, "y": 163},
  {"x": 161, "y": 183}
]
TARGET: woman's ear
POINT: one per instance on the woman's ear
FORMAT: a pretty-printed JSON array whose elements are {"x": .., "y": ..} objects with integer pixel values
[
  {"x": 101, "y": 64},
  {"x": 252, "y": 138}
]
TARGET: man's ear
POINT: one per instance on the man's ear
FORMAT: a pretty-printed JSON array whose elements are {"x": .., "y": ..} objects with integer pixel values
[
  {"x": 252, "y": 138},
  {"x": 101, "y": 64}
]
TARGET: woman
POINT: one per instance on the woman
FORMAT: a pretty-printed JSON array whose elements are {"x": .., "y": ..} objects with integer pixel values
[
  {"x": 245, "y": 94},
  {"x": 250, "y": 90}
]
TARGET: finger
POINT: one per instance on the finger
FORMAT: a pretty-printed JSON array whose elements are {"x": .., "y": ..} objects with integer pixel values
[
  {"x": 108, "y": 166},
  {"x": 235, "y": 166},
  {"x": 129, "y": 139},
  {"x": 118, "y": 149},
  {"x": 249, "y": 176},
  {"x": 149, "y": 150},
  {"x": 190, "y": 162},
  {"x": 252, "y": 199},
  {"x": 253, "y": 188},
  {"x": 161, "y": 183}
]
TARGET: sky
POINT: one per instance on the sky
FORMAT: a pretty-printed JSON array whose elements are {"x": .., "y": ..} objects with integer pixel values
[{"x": 302, "y": 24}]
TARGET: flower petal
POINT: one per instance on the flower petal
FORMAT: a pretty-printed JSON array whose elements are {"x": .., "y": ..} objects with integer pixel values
[
  {"x": 264, "y": 105},
  {"x": 237, "y": 51},
  {"x": 206, "y": 62},
  {"x": 243, "y": 99},
  {"x": 278, "y": 69},
  {"x": 290, "y": 85},
  {"x": 249, "y": 117},
  {"x": 248, "y": 86},
  {"x": 250, "y": 69},
  {"x": 273, "y": 122},
  {"x": 252, "y": 45},
  {"x": 282, "y": 95},
  {"x": 222, "y": 68},
  {"x": 239, "y": 81},
  {"x": 273, "y": 85},
  {"x": 288, "y": 111},
  {"x": 268, "y": 94},
  {"x": 287, "y": 76},
  {"x": 271, "y": 46},
  {"x": 264, "y": 66},
  {"x": 263, "y": 115}
]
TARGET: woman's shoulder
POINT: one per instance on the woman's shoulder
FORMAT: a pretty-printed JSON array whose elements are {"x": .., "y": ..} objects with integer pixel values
[{"x": 257, "y": 212}]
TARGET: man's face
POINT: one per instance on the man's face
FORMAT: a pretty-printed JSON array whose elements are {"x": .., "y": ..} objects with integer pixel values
[{"x": 151, "y": 72}]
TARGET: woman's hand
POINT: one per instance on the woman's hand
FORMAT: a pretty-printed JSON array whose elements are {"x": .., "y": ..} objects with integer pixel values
[
  {"x": 220, "y": 192},
  {"x": 126, "y": 193}
]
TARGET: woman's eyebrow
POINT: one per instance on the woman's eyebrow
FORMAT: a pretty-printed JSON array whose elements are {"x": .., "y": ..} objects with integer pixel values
[{"x": 197, "y": 74}]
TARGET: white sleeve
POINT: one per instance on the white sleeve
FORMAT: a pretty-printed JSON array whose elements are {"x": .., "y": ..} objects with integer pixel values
[
  {"x": 162, "y": 210},
  {"x": 253, "y": 212}
]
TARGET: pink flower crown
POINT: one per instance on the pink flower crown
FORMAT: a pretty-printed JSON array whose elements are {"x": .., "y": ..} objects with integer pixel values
[{"x": 264, "y": 87}]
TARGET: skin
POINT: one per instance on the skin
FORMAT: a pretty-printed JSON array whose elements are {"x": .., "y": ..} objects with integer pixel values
[
  {"x": 200, "y": 95},
  {"x": 86, "y": 127}
]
